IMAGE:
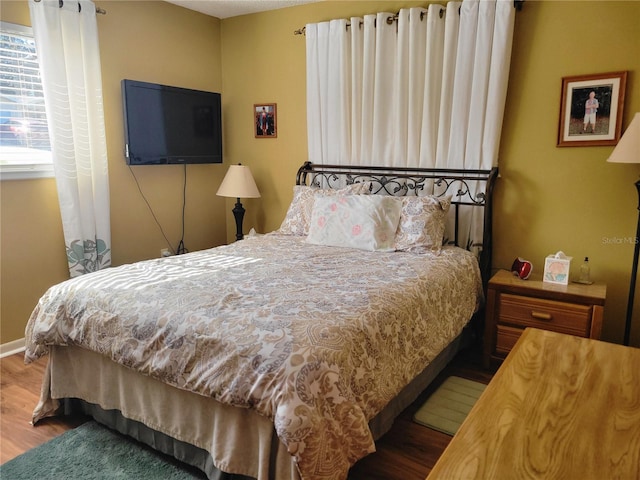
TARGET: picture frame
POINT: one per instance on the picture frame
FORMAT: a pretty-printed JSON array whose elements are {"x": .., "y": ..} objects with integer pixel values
[
  {"x": 265, "y": 120},
  {"x": 591, "y": 109}
]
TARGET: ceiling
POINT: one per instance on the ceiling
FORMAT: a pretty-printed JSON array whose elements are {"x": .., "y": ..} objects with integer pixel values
[{"x": 234, "y": 8}]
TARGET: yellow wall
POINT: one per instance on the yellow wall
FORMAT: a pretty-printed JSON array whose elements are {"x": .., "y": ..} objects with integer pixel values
[
  {"x": 548, "y": 198},
  {"x": 569, "y": 198},
  {"x": 150, "y": 41}
]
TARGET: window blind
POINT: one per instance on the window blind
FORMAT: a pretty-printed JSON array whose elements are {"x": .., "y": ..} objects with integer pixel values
[{"x": 24, "y": 135}]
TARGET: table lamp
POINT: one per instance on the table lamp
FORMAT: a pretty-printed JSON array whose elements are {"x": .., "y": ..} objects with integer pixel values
[
  {"x": 628, "y": 151},
  {"x": 238, "y": 183}
]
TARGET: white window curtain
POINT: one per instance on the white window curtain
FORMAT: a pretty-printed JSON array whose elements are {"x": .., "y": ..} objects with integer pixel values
[
  {"x": 67, "y": 44},
  {"x": 423, "y": 88}
]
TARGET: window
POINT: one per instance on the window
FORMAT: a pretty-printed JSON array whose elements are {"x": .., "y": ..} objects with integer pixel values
[{"x": 25, "y": 151}]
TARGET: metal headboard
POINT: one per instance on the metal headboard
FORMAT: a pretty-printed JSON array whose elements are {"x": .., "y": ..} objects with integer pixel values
[{"x": 472, "y": 188}]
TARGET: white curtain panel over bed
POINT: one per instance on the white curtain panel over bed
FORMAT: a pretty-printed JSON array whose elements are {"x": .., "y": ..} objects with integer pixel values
[
  {"x": 67, "y": 43},
  {"x": 425, "y": 88}
]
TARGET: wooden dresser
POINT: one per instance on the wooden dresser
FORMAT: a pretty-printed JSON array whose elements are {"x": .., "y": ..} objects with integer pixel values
[
  {"x": 559, "y": 407},
  {"x": 514, "y": 304}
]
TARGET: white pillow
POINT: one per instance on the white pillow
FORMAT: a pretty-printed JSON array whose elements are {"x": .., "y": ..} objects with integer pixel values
[
  {"x": 365, "y": 222},
  {"x": 422, "y": 223},
  {"x": 296, "y": 221}
]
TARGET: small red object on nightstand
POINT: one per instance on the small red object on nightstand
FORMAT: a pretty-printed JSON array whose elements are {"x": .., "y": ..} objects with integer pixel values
[{"x": 522, "y": 268}]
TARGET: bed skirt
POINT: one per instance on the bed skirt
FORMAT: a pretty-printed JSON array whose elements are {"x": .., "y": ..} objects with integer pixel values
[{"x": 224, "y": 442}]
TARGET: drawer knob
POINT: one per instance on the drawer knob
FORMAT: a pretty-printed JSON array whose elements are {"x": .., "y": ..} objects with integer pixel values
[{"x": 541, "y": 316}]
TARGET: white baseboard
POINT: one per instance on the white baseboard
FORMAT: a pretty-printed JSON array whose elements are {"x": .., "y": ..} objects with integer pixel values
[{"x": 10, "y": 348}]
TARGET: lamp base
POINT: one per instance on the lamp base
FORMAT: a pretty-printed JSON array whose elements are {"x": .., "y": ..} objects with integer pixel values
[{"x": 238, "y": 213}]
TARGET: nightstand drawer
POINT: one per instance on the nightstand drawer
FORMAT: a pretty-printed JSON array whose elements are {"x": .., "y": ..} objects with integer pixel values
[
  {"x": 506, "y": 338},
  {"x": 546, "y": 314}
]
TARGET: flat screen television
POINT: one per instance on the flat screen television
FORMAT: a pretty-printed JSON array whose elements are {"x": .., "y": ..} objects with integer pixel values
[{"x": 170, "y": 125}]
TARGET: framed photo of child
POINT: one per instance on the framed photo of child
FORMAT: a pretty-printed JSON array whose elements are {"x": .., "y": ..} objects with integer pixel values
[
  {"x": 265, "y": 121},
  {"x": 591, "y": 109}
]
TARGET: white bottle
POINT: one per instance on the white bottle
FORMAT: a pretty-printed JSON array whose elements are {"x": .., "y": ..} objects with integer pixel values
[{"x": 585, "y": 272}]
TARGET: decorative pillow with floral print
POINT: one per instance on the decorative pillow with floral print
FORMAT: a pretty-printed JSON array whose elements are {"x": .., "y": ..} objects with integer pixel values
[
  {"x": 296, "y": 221},
  {"x": 365, "y": 222}
]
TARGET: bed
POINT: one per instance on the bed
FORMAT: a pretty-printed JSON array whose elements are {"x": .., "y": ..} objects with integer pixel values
[{"x": 285, "y": 355}]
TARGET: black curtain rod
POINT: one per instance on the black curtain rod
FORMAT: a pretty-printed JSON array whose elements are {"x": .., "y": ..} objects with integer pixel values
[
  {"x": 517, "y": 4},
  {"x": 99, "y": 10},
  {"x": 390, "y": 20}
]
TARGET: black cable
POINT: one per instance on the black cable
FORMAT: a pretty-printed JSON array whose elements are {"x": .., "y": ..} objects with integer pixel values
[
  {"x": 181, "y": 248},
  {"x": 151, "y": 210}
]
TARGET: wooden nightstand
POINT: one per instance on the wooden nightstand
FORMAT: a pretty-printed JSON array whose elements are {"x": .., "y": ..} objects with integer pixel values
[{"x": 514, "y": 304}]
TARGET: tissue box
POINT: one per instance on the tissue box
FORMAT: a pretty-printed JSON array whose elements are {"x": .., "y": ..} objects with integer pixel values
[{"x": 556, "y": 268}]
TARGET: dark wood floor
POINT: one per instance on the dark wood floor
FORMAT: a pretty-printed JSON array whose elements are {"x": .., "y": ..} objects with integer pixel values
[{"x": 407, "y": 452}]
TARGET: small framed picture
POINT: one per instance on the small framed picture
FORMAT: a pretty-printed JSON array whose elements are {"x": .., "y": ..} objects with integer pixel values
[
  {"x": 265, "y": 119},
  {"x": 591, "y": 109}
]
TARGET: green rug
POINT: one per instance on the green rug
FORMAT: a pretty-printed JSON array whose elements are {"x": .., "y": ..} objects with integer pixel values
[
  {"x": 93, "y": 452},
  {"x": 449, "y": 405}
]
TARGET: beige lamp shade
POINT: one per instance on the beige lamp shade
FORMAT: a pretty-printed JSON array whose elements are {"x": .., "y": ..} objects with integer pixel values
[
  {"x": 628, "y": 148},
  {"x": 238, "y": 183}
]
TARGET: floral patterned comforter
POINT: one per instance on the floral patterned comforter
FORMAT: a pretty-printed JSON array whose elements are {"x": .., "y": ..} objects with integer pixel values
[{"x": 318, "y": 339}]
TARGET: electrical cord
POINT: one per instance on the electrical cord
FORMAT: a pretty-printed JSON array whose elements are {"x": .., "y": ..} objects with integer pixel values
[{"x": 180, "y": 249}]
